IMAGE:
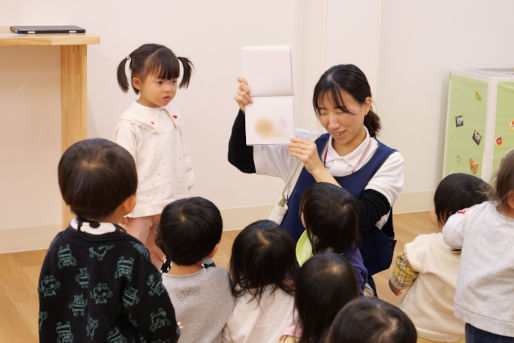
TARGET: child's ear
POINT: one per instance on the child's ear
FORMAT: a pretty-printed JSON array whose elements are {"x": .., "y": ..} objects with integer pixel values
[
  {"x": 214, "y": 251},
  {"x": 129, "y": 204},
  {"x": 136, "y": 83}
]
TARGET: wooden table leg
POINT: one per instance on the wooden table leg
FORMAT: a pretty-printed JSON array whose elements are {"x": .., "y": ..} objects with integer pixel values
[{"x": 73, "y": 101}]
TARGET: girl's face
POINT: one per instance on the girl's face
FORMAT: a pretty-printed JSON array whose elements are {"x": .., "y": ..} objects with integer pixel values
[
  {"x": 154, "y": 91},
  {"x": 345, "y": 125}
]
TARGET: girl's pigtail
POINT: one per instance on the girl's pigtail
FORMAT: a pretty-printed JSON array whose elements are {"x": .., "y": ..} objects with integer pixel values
[
  {"x": 122, "y": 76},
  {"x": 187, "y": 66},
  {"x": 372, "y": 123}
]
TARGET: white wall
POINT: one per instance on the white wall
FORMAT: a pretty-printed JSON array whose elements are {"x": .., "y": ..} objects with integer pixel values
[
  {"x": 420, "y": 41},
  {"x": 406, "y": 48},
  {"x": 209, "y": 33}
]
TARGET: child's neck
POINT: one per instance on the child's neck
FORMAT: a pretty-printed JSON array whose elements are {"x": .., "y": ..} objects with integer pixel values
[
  {"x": 177, "y": 269},
  {"x": 507, "y": 211}
]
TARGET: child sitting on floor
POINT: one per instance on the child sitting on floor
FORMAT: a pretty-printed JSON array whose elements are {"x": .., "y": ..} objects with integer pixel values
[
  {"x": 189, "y": 232},
  {"x": 262, "y": 267},
  {"x": 429, "y": 267}
]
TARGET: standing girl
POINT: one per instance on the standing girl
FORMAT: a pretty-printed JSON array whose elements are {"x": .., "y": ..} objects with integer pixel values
[
  {"x": 485, "y": 284},
  {"x": 151, "y": 133},
  {"x": 262, "y": 267},
  {"x": 348, "y": 156}
]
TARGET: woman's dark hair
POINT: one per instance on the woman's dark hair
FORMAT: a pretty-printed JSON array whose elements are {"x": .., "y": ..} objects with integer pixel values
[
  {"x": 350, "y": 79},
  {"x": 189, "y": 230},
  {"x": 371, "y": 320},
  {"x": 95, "y": 177},
  {"x": 505, "y": 180},
  {"x": 331, "y": 217},
  {"x": 325, "y": 283},
  {"x": 263, "y": 255},
  {"x": 458, "y": 191},
  {"x": 154, "y": 59}
]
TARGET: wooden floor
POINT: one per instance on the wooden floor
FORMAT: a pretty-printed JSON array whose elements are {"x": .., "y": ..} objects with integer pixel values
[{"x": 19, "y": 273}]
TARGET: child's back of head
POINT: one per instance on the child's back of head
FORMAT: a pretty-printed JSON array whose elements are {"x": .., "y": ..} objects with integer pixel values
[
  {"x": 456, "y": 192},
  {"x": 262, "y": 255},
  {"x": 370, "y": 320},
  {"x": 330, "y": 216},
  {"x": 95, "y": 177},
  {"x": 324, "y": 284},
  {"x": 262, "y": 268},
  {"x": 189, "y": 230}
]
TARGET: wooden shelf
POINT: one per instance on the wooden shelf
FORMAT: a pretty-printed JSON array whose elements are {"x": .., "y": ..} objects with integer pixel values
[
  {"x": 9, "y": 38},
  {"x": 73, "y": 80}
]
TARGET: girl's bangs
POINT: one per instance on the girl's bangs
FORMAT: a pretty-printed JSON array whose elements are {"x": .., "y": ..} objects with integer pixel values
[{"x": 164, "y": 65}]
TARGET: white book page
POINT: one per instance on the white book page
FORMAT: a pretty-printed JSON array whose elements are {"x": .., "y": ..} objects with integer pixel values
[
  {"x": 268, "y": 70},
  {"x": 269, "y": 120}
]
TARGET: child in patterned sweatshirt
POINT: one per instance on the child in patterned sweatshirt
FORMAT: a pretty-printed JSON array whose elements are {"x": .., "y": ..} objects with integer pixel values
[{"x": 97, "y": 282}]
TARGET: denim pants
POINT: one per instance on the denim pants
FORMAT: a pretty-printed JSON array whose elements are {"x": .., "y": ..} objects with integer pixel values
[{"x": 475, "y": 335}]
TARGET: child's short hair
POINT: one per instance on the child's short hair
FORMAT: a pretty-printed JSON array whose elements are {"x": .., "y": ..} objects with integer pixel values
[
  {"x": 505, "y": 179},
  {"x": 189, "y": 229},
  {"x": 458, "y": 191},
  {"x": 324, "y": 284},
  {"x": 263, "y": 254},
  {"x": 154, "y": 59},
  {"x": 371, "y": 320},
  {"x": 95, "y": 177},
  {"x": 331, "y": 217}
]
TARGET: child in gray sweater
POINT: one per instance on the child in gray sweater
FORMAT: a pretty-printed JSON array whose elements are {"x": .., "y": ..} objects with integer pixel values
[{"x": 189, "y": 232}]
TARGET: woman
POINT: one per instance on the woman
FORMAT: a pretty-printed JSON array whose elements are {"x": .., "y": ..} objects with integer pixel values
[{"x": 348, "y": 155}]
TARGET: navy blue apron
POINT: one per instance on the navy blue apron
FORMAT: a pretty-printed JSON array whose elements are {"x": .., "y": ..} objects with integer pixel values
[{"x": 376, "y": 245}]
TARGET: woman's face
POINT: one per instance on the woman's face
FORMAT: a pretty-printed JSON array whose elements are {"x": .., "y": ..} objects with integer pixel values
[{"x": 344, "y": 123}]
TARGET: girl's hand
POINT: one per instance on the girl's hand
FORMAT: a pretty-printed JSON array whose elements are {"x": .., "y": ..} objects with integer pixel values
[
  {"x": 242, "y": 96},
  {"x": 306, "y": 152},
  {"x": 395, "y": 290}
]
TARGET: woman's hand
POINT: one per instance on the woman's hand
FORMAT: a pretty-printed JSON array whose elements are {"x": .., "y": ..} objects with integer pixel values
[
  {"x": 242, "y": 96},
  {"x": 306, "y": 152}
]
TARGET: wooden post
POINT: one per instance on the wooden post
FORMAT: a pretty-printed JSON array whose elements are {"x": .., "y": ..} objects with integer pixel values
[{"x": 73, "y": 101}]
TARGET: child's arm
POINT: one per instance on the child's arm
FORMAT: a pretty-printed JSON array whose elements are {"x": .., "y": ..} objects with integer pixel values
[
  {"x": 147, "y": 304},
  {"x": 125, "y": 135},
  {"x": 403, "y": 276},
  {"x": 453, "y": 230}
]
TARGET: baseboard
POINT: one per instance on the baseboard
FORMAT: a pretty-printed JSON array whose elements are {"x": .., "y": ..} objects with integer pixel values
[
  {"x": 414, "y": 202},
  {"x": 39, "y": 237},
  {"x": 238, "y": 218},
  {"x": 27, "y": 238}
]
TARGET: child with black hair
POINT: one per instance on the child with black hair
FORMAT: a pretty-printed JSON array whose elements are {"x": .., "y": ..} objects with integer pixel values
[
  {"x": 331, "y": 218},
  {"x": 262, "y": 267},
  {"x": 485, "y": 283},
  {"x": 371, "y": 320},
  {"x": 324, "y": 284},
  {"x": 97, "y": 282},
  {"x": 429, "y": 267},
  {"x": 190, "y": 231},
  {"x": 150, "y": 130}
]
